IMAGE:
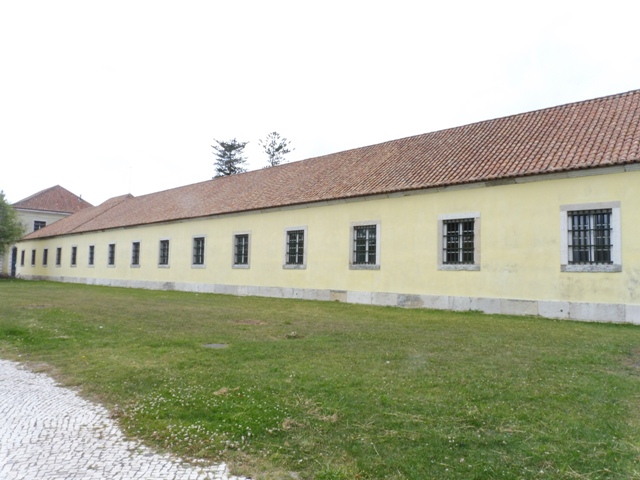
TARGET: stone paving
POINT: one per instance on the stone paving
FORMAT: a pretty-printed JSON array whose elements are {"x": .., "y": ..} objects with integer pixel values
[{"x": 50, "y": 433}]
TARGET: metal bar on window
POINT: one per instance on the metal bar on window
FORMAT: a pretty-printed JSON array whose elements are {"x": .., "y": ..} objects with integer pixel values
[{"x": 589, "y": 236}]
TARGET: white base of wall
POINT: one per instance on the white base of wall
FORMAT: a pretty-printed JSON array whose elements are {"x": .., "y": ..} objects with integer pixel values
[{"x": 589, "y": 312}]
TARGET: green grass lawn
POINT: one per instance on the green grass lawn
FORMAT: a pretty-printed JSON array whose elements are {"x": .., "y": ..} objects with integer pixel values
[{"x": 336, "y": 391}]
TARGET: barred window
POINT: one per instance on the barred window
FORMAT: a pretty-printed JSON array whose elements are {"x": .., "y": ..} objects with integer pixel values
[
  {"x": 364, "y": 245},
  {"x": 111, "y": 255},
  {"x": 458, "y": 242},
  {"x": 135, "y": 253},
  {"x": 58, "y": 256},
  {"x": 74, "y": 256},
  {"x": 589, "y": 237},
  {"x": 22, "y": 258},
  {"x": 295, "y": 247},
  {"x": 38, "y": 224},
  {"x": 241, "y": 249},
  {"x": 92, "y": 251},
  {"x": 198, "y": 251},
  {"x": 45, "y": 257},
  {"x": 33, "y": 258},
  {"x": 163, "y": 258}
]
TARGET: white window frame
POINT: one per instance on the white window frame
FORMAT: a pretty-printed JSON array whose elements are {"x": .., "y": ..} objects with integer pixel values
[
  {"x": 470, "y": 267},
  {"x": 295, "y": 266},
  {"x": 233, "y": 250},
  {"x": 616, "y": 238},
  {"x": 204, "y": 252},
  {"x": 352, "y": 253}
]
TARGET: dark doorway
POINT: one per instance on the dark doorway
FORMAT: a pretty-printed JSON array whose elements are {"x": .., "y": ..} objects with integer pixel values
[{"x": 14, "y": 259}]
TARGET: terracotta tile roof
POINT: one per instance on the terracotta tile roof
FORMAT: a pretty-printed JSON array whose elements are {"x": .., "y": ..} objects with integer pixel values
[
  {"x": 77, "y": 222},
  {"x": 583, "y": 135},
  {"x": 53, "y": 199}
]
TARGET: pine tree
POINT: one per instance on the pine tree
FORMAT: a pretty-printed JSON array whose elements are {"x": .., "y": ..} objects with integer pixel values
[
  {"x": 276, "y": 147},
  {"x": 229, "y": 157}
]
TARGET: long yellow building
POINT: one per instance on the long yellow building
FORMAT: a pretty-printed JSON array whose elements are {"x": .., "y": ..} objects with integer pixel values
[{"x": 533, "y": 214}]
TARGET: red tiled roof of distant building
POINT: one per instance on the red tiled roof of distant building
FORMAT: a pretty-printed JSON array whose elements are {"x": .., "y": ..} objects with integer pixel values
[
  {"x": 54, "y": 199},
  {"x": 577, "y": 136}
]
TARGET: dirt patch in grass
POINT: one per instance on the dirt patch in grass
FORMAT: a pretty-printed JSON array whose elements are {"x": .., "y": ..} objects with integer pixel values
[
  {"x": 250, "y": 322},
  {"x": 634, "y": 360}
]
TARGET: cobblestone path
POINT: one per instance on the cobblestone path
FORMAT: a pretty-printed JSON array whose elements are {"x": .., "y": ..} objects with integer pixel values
[{"x": 50, "y": 433}]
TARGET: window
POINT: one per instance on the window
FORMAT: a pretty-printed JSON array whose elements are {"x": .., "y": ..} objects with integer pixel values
[
  {"x": 163, "y": 258},
  {"x": 365, "y": 245},
  {"x": 22, "y": 258},
  {"x": 135, "y": 254},
  {"x": 111, "y": 255},
  {"x": 198, "y": 251},
  {"x": 92, "y": 255},
  {"x": 58, "y": 256},
  {"x": 591, "y": 238},
  {"x": 38, "y": 224},
  {"x": 33, "y": 258},
  {"x": 241, "y": 250},
  {"x": 74, "y": 256},
  {"x": 459, "y": 241},
  {"x": 295, "y": 254},
  {"x": 45, "y": 257}
]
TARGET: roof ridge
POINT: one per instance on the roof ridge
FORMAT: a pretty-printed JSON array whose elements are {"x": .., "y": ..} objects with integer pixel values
[
  {"x": 124, "y": 197},
  {"x": 568, "y": 105},
  {"x": 587, "y": 134},
  {"x": 36, "y": 194},
  {"x": 471, "y": 124}
]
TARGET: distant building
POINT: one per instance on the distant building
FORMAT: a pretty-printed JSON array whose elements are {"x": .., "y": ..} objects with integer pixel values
[
  {"x": 531, "y": 214},
  {"x": 39, "y": 210}
]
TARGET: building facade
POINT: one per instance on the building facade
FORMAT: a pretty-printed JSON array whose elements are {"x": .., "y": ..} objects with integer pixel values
[
  {"x": 36, "y": 212},
  {"x": 534, "y": 214}
]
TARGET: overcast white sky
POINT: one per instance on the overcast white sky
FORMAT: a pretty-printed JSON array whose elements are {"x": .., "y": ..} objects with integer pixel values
[{"x": 113, "y": 97}]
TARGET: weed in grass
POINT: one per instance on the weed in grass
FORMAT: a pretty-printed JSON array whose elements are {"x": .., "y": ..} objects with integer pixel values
[
  {"x": 206, "y": 424},
  {"x": 365, "y": 392}
]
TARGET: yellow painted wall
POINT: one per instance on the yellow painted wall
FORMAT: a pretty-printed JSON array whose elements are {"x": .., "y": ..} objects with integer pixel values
[
  {"x": 520, "y": 245},
  {"x": 27, "y": 217}
]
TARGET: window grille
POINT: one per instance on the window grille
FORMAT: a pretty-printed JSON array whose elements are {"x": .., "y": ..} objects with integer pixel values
[
  {"x": 135, "y": 253},
  {"x": 589, "y": 239},
  {"x": 45, "y": 257},
  {"x": 74, "y": 255},
  {"x": 92, "y": 250},
  {"x": 163, "y": 259},
  {"x": 364, "y": 245},
  {"x": 458, "y": 241},
  {"x": 58, "y": 256},
  {"x": 295, "y": 247},
  {"x": 33, "y": 258},
  {"x": 111, "y": 257},
  {"x": 198, "y": 251},
  {"x": 38, "y": 224},
  {"x": 241, "y": 253}
]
